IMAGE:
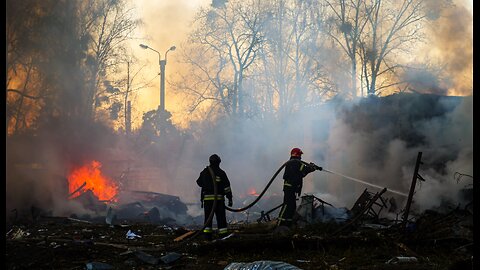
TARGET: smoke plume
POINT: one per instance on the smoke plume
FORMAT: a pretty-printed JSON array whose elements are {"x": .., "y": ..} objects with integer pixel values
[
  {"x": 450, "y": 42},
  {"x": 373, "y": 139}
]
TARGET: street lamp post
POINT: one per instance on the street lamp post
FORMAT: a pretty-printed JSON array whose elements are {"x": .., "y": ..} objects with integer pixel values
[{"x": 162, "y": 64}]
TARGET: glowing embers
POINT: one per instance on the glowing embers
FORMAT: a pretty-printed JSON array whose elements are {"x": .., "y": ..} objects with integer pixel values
[
  {"x": 253, "y": 192},
  {"x": 89, "y": 177}
]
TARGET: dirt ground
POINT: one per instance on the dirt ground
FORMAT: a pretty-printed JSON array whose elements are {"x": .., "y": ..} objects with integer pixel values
[{"x": 72, "y": 244}]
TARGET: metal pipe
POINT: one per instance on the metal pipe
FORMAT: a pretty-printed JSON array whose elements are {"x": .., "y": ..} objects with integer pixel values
[{"x": 412, "y": 190}]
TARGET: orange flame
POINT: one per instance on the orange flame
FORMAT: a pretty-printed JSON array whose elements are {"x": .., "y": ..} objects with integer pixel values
[
  {"x": 91, "y": 177},
  {"x": 253, "y": 192}
]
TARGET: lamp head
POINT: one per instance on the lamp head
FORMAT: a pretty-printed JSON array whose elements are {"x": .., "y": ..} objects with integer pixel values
[{"x": 144, "y": 46}]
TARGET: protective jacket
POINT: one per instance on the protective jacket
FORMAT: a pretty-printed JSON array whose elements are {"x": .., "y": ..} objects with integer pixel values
[
  {"x": 205, "y": 181},
  {"x": 294, "y": 174},
  {"x": 293, "y": 182}
]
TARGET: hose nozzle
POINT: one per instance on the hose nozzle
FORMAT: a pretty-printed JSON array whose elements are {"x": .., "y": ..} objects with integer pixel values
[{"x": 316, "y": 166}]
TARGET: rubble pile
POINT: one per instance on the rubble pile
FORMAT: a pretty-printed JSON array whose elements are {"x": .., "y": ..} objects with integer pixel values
[{"x": 324, "y": 237}]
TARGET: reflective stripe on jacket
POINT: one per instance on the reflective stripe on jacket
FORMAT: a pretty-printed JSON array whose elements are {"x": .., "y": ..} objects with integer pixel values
[
  {"x": 205, "y": 181},
  {"x": 294, "y": 174}
]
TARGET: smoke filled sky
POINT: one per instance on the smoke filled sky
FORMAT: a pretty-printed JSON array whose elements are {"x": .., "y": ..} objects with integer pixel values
[
  {"x": 449, "y": 41},
  {"x": 373, "y": 139},
  {"x": 167, "y": 23}
]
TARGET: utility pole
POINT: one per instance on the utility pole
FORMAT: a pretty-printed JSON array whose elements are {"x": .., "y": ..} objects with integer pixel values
[
  {"x": 127, "y": 103},
  {"x": 163, "y": 63}
]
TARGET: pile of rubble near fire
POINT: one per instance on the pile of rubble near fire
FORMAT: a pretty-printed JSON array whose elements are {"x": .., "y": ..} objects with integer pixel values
[{"x": 153, "y": 231}]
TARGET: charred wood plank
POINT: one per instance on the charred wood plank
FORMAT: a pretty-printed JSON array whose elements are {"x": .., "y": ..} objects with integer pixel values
[
  {"x": 78, "y": 189},
  {"x": 360, "y": 214}
]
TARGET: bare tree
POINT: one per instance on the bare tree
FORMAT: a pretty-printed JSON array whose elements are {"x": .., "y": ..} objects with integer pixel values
[
  {"x": 43, "y": 61},
  {"x": 346, "y": 27},
  {"x": 392, "y": 26},
  {"x": 205, "y": 79},
  {"x": 247, "y": 57},
  {"x": 293, "y": 60},
  {"x": 108, "y": 24},
  {"x": 230, "y": 34},
  {"x": 121, "y": 89},
  {"x": 58, "y": 55}
]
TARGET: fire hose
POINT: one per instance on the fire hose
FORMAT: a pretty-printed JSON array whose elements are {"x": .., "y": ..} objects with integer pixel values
[
  {"x": 215, "y": 190},
  {"x": 268, "y": 185},
  {"x": 210, "y": 216}
]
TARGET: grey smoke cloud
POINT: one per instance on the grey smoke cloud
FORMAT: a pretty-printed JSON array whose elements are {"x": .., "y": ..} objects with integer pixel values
[
  {"x": 380, "y": 155},
  {"x": 359, "y": 140},
  {"x": 451, "y": 43},
  {"x": 373, "y": 140}
]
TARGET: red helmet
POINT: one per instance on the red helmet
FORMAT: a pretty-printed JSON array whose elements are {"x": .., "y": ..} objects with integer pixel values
[{"x": 296, "y": 152}]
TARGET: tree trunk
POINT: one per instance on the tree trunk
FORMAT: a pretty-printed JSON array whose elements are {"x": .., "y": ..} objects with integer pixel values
[
  {"x": 240, "y": 94},
  {"x": 354, "y": 77}
]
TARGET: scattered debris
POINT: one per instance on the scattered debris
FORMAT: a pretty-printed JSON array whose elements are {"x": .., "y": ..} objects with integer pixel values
[
  {"x": 228, "y": 236},
  {"x": 17, "y": 233},
  {"x": 369, "y": 200},
  {"x": 328, "y": 213},
  {"x": 90, "y": 201},
  {"x": 261, "y": 265},
  {"x": 435, "y": 238},
  {"x": 183, "y": 236},
  {"x": 78, "y": 189},
  {"x": 111, "y": 217},
  {"x": 170, "y": 257},
  {"x": 132, "y": 235},
  {"x": 400, "y": 259},
  {"x": 365, "y": 207},
  {"x": 98, "y": 266},
  {"x": 78, "y": 220},
  {"x": 265, "y": 216},
  {"x": 145, "y": 257}
]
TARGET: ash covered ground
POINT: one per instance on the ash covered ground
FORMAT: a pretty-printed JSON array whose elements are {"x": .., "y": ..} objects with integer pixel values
[{"x": 324, "y": 237}]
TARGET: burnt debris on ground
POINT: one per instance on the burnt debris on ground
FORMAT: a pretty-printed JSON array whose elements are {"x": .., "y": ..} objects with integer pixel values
[{"x": 145, "y": 235}]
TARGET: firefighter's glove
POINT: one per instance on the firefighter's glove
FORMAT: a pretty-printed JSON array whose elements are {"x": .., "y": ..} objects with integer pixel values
[
  {"x": 230, "y": 203},
  {"x": 313, "y": 165}
]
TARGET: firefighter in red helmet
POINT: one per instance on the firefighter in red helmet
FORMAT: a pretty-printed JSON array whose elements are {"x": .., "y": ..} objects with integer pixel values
[{"x": 292, "y": 185}]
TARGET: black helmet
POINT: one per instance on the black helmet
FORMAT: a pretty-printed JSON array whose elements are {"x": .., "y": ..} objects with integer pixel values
[{"x": 214, "y": 159}]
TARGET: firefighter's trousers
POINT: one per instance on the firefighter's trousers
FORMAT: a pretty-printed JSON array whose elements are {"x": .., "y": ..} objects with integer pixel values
[
  {"x": 219, "y": 214},
  {"x": 285, "y": 217}
]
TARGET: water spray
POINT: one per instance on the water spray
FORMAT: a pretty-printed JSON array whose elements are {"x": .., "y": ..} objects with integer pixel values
[{"x": 366, "y": 183}]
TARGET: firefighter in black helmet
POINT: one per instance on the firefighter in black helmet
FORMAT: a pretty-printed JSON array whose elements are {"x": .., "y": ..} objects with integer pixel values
[
  {"x": 205, "y": 181},
  {"x": 292, "y": 186}
]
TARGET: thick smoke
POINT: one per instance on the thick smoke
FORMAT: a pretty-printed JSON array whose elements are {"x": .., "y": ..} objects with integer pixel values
[
  {"x": 166, "y": 24},
  {"x": 450, "y": 42},
  {"x": 376, "y": 140},
  {"x": 38, "y": 164}
]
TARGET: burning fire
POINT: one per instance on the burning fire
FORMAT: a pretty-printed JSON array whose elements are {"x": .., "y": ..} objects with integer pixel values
[
  {"x": 90, "y": 177},
  {"x": 253, "y": 192}
]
